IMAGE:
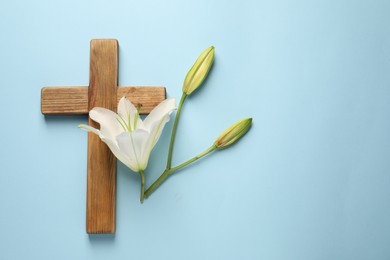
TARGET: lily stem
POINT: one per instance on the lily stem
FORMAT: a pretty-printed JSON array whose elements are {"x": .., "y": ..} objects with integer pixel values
[
  {"x": 168, "y": 172},
  {"x": 169, "y": 161},
  {"x": 142, "y": 196}
]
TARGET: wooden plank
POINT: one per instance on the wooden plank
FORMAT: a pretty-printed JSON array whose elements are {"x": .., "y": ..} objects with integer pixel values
[
  {"x": 74, "y": 100},
  {"x": 64, "y": 100},
  {"x": 148, "y": 97},
  {"x": 101, "y": 188}
]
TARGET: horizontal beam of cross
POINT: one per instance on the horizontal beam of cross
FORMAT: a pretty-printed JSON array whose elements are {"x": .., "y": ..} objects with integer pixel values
[{"x": 74, "y": 100}]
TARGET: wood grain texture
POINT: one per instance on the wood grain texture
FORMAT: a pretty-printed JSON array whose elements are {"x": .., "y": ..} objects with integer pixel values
[
  {"x": 74, "y": 100},
  {"x": 148, "y": 97},
  {"x": 64, "y": 100},
  {"x": 101, "y": 188}
]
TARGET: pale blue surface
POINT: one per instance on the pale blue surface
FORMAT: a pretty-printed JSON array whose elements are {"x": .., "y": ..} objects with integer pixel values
[{"x": 310, "y": 181}]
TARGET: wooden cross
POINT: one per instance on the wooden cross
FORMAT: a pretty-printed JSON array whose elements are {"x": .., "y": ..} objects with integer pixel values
[{"x": 103, "y": 91}]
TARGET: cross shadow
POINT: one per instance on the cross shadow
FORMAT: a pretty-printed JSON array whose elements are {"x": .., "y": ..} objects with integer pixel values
[
  {"x": 101, "y": 239},
  {"x": 55, "y": 120}
]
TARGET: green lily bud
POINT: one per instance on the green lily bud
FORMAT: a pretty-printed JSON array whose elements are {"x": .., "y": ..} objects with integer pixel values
[
  {"x": 199, "y": 71},
  {"x": 233, "y": 134}
]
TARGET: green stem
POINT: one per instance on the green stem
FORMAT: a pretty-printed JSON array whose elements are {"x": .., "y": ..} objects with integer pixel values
[
  {"x": 168, "y": 172},
  {"x": 157, "y": 183},
  {"x": 174, "y": 169},
  {"x": 142, "y": 196},
  {"x": 169, "y": 161}
]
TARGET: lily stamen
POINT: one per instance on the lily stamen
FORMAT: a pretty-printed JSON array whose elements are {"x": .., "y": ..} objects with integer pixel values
[
  {"x": 137, "y": 116},
  {"x": 129, "y": 124}
]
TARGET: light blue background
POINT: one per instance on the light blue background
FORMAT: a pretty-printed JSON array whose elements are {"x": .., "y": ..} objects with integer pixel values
[{"x": 311, "y": 180}]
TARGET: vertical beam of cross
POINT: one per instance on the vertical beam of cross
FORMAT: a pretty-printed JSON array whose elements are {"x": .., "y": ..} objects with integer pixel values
[
  {"x": 103, "y": 82},
  {"x": 103, "y": 91}
]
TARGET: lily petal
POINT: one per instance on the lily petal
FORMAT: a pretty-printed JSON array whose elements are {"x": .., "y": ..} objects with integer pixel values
[
  {"x": 129, "y": 162},
  {"x": 128, "y": 112},
  {"x": 90, "y": 129},
  {"x": 164, "y": 108},
  {"x": 121, "y": 155},
  {"x": 109, "y": 125},
  {"x": 155, "y": 132},
  {"x": 110, "y": 143},
  {"x": 132, "y": 144}
]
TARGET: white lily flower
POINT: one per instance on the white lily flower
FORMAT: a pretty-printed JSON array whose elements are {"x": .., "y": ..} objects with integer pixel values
[{"x": 129, "y": 138}]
